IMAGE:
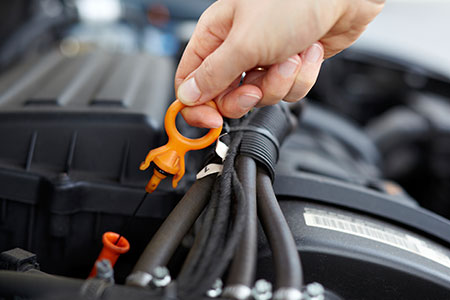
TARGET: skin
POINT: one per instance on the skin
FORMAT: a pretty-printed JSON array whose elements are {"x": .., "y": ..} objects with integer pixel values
[{"x": 279, "y": 44}]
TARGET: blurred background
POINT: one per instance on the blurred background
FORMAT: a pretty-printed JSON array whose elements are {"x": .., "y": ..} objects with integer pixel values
[{"x": 412, "y": 30}]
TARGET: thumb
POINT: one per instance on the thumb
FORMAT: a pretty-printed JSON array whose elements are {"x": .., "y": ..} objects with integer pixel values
[{"x": 216, "y": 72}]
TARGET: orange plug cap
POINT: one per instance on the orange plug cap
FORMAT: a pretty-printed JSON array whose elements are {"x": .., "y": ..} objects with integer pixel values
[
  {"x": 170, "y": 157},
  {"x": 111, "y": 251}
]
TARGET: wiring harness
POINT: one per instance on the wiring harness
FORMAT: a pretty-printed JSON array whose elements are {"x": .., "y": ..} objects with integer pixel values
[{"x": 227, "y": 206}]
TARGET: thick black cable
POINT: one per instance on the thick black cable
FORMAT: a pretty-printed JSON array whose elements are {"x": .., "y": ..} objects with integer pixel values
[
  {"x": 223, "y": 252},
  {"x": 288, "y": 269},
  {"x": 235, "y": 232},
  {"x": 224, "y": 235},
  {"x": 196, "y": 254},
  {"x": 164, "y": 243},
  {"x": 18, "y": 284},
  {"x": 243, "y": 267}
]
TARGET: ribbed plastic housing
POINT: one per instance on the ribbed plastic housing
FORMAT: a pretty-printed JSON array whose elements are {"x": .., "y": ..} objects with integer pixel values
[{"x": 265, "y": 133}]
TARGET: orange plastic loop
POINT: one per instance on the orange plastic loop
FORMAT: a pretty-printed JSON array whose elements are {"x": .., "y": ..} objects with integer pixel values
[
  {"x": 176, "y": 137},
  {"x": 170, "y": 157}
]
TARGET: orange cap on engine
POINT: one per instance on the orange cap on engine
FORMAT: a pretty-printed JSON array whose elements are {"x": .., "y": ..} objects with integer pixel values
[{"x": 111, "y": 251}]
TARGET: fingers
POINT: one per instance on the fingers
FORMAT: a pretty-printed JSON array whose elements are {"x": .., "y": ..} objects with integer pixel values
[
  {"x": 213, "y": 58},
  {"x": 277, "y": 81},
  {"x": 217, "y": 71},
  {"x": 202, "y": 116},
  {"x": 209, "y": 34},
  {"x": 239, "y": 101},
  {"x": 290, "y": 80},
  {"x": 277, "y": 84},
  {"x": 350, "y": 25},
  {"x": 312, "y": 59},
  {"x": 232, "y": 104}
]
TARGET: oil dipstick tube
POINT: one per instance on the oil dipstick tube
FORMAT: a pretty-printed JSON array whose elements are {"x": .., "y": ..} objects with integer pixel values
[{"x": 111, "y": 251}]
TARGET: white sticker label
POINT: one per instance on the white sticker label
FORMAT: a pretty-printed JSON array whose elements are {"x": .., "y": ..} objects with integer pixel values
[
  {"x": 221, "y": 149},
  {"x": 342, "y": 223},
  {"x": 209, "y": 169}
]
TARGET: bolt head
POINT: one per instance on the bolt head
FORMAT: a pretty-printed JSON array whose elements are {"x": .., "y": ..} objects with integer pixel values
[
  {"x": 262, "y": 290},
  {"x": 216, "y": 289},
  {"x": 315, "y": 289},
  {"x": 160, "y": 272},
  {"x": 161, "y": 277}
]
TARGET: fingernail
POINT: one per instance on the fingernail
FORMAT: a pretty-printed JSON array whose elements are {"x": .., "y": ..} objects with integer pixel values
[
  {"x": 287, "y": 69},
  {"x": 247, "y": 101},
  {"x": 314, "y": 53},
  {"x": 188, "y": 92}
]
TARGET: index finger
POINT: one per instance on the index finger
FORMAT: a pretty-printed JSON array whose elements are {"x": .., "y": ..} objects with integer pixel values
[{"x": 210, "y": 32}]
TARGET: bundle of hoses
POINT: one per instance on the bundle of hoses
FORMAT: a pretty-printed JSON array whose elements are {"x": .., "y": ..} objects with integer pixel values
[{"x": 228, "y": 207}]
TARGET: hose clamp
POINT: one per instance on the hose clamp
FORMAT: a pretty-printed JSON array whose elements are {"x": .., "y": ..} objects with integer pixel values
[
  {"x": 94, "y": 288},
  {"x": 237, "y": 291},
  {"x": 139, "y": 278},
  {"x": 287, "y": 294}
]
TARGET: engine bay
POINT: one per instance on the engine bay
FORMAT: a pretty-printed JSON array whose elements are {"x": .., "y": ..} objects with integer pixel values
[{"x": 360, "y": 171}]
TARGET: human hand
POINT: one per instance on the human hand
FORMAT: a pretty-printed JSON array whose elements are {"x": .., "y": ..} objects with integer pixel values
[{"x": 279, "y": 44}]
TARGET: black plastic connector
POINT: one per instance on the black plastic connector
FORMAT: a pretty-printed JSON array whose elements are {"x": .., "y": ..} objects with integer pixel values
[
  {"x": 18, "y": 260},
  {"x": 264, "y": 134}
]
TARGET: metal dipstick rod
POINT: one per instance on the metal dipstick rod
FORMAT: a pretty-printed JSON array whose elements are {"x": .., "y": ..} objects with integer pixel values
[{"x": 130, "y": 219}]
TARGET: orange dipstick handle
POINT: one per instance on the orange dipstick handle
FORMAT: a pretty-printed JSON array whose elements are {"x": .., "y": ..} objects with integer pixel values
[
  {"x": 110, "y": 251},
  {"x": 170, "y": 157}
]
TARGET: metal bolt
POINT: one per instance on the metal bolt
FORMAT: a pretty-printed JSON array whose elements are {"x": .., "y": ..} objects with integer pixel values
[
  {"x": 314, "y": 291},
  {"x": 262, "y": 290},
  {"x": 161, "y": 277},
  {"x": 105, "y": 270},
  {"x": 216, "y": 289}
]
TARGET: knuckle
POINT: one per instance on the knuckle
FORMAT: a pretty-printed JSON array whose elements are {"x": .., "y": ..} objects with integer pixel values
[
  {"x": 274, "y": 93},
  {"x": 232, "y": 114},
  {"x": 208, "y": 72},
  {"x": 208, "y": 68},
  {"x": 229, "y": 109}
]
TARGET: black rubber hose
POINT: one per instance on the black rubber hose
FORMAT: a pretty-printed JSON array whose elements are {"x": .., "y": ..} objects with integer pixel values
[
  {"x": 166, "y": 240},
  {"x": 343, "y": 129},
  {"x": 243, "y": 267},
  {"x": 28, "y": 285},
  {"x": 288, "y": 269}
]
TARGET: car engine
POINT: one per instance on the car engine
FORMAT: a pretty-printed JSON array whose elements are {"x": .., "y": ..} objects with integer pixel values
[{"x": 344, "y": 195}]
